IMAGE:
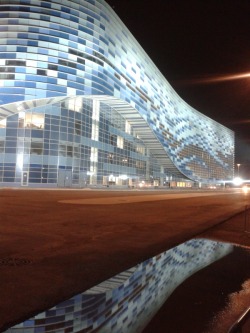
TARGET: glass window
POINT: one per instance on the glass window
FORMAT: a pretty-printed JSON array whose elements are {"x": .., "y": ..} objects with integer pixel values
[
  {"x": 119, "y": 142},
  {"x": 69, "y": 151},
  {"x": 3, "y": 123},
  {"x": 140, "y": 150},
  {"x": 113, "y": 140},
  {"x": 36, "y": 148},
  {"x": 127, "y": 127},
  {"x": 78, "y": 127},
  {"x": 94, "y": 155},
  {"x": 95, "y": 131},
  {"x": 2, "y": 146},
  {"x": 30, "y": 120},
  {"x": 62, "y": 151},
  {"x": 77, "y": 152}
]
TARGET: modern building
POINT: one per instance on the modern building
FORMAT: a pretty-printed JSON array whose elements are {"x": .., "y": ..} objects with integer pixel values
[{"x": 81, "y": 104}]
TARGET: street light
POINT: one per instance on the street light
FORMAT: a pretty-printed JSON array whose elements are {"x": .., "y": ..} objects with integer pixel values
[{"x": 238, "y": 165}]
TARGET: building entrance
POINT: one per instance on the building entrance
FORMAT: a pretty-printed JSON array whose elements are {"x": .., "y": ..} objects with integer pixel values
[
  {"x": 64, "y": 178},
  {"x": 25, "y": 178}
]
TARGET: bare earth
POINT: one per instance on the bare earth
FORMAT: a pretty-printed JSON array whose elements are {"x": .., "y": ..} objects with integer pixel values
[{"x": 57, "y": 243}]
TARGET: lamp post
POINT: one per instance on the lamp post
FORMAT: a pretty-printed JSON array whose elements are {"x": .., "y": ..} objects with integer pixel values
[{"x": 238, "y": 165}]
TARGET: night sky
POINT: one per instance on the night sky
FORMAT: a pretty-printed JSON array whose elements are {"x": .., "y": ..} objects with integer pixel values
[{"x": 203, "y": 50}]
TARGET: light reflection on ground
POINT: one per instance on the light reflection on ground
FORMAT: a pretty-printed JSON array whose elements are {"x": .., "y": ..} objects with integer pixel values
[
  {"x": 238, "y": 303},
  {"x": 126, "y": 302},
  {"x": 211, "y": 300}
]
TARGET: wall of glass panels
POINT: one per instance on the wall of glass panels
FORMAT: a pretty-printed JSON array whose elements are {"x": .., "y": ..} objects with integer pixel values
[{"x": 79, "y": 142}]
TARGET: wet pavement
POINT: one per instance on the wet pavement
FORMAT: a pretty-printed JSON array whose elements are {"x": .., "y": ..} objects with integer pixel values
[
  {"x": 51, "y": 250},
  {"x": 210, "y": 301}
]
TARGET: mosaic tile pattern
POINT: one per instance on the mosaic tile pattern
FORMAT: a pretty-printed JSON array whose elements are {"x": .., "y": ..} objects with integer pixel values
[
  {"x": 126, "y": 302},
  {"x": 81, "y": 47}
]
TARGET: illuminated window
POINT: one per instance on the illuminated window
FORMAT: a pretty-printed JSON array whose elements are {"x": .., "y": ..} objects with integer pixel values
[
  {"x": 21, "y": 120},
  {"x": 94, "y": 154},
  {"x": 95, "y": 132},
  {"x": 111, "y": 158},
  {"x": 3, "y": 123},
  {"x": 96, "y": 110},
  {"x": 140, "y": 150},
  {"x": 33, "y": 121},
  {"x": 127, "y": 127},
  {"x": 75, "y": 104},
  {"x": 120, "y": 142}
]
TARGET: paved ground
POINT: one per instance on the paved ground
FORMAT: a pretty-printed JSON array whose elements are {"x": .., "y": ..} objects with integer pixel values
[{"x": 57, "y": 243}]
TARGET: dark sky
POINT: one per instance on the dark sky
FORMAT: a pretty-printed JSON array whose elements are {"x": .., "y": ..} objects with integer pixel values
[{"x": 193, "y": 43}]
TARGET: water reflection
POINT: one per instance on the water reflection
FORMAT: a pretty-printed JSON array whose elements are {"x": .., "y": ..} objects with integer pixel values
[
  {"x": 237, "y": 304},
  {"x": 126, "y": 302}
]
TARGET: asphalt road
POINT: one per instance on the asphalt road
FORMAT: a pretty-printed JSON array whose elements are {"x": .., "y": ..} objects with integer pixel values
[{"x": 57, "y": 243}]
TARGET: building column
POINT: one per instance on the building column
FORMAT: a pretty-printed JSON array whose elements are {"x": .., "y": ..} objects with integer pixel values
[{"x": 95, "y": 137}]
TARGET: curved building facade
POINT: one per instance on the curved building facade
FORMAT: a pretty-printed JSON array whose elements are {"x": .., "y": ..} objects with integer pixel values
[{"x": 81, "y": 104}]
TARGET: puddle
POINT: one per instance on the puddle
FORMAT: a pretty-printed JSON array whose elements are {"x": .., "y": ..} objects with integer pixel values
[
  {"x": 127, "y": 302},
  {"x": 236, "y": 306}
]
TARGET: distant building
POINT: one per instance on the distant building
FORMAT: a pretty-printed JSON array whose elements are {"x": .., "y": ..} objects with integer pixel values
[{"x": 81, "y": 104}]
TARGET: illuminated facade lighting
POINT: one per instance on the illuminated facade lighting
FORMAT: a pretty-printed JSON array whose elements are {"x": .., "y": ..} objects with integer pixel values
[{"x": 78, "y": 95}]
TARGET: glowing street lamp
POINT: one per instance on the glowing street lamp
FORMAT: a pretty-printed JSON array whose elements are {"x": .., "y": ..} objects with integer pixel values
[
  {"x": 238, "y": 165},
  {"x": 237, "y": 181}
]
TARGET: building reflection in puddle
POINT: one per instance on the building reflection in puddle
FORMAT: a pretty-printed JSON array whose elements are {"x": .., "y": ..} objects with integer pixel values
[{"x": 126, "y": 302}]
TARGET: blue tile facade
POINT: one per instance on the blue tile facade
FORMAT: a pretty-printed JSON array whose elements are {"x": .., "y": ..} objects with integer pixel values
[
  {"x": 52, "y": 49},
  {"x": 127, "y": 302}
]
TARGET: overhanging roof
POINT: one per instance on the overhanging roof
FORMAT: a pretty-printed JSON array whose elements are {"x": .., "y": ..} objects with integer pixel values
[
  {"x": 143, "y": 130},
  {"x": 126, "y": 110}
]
